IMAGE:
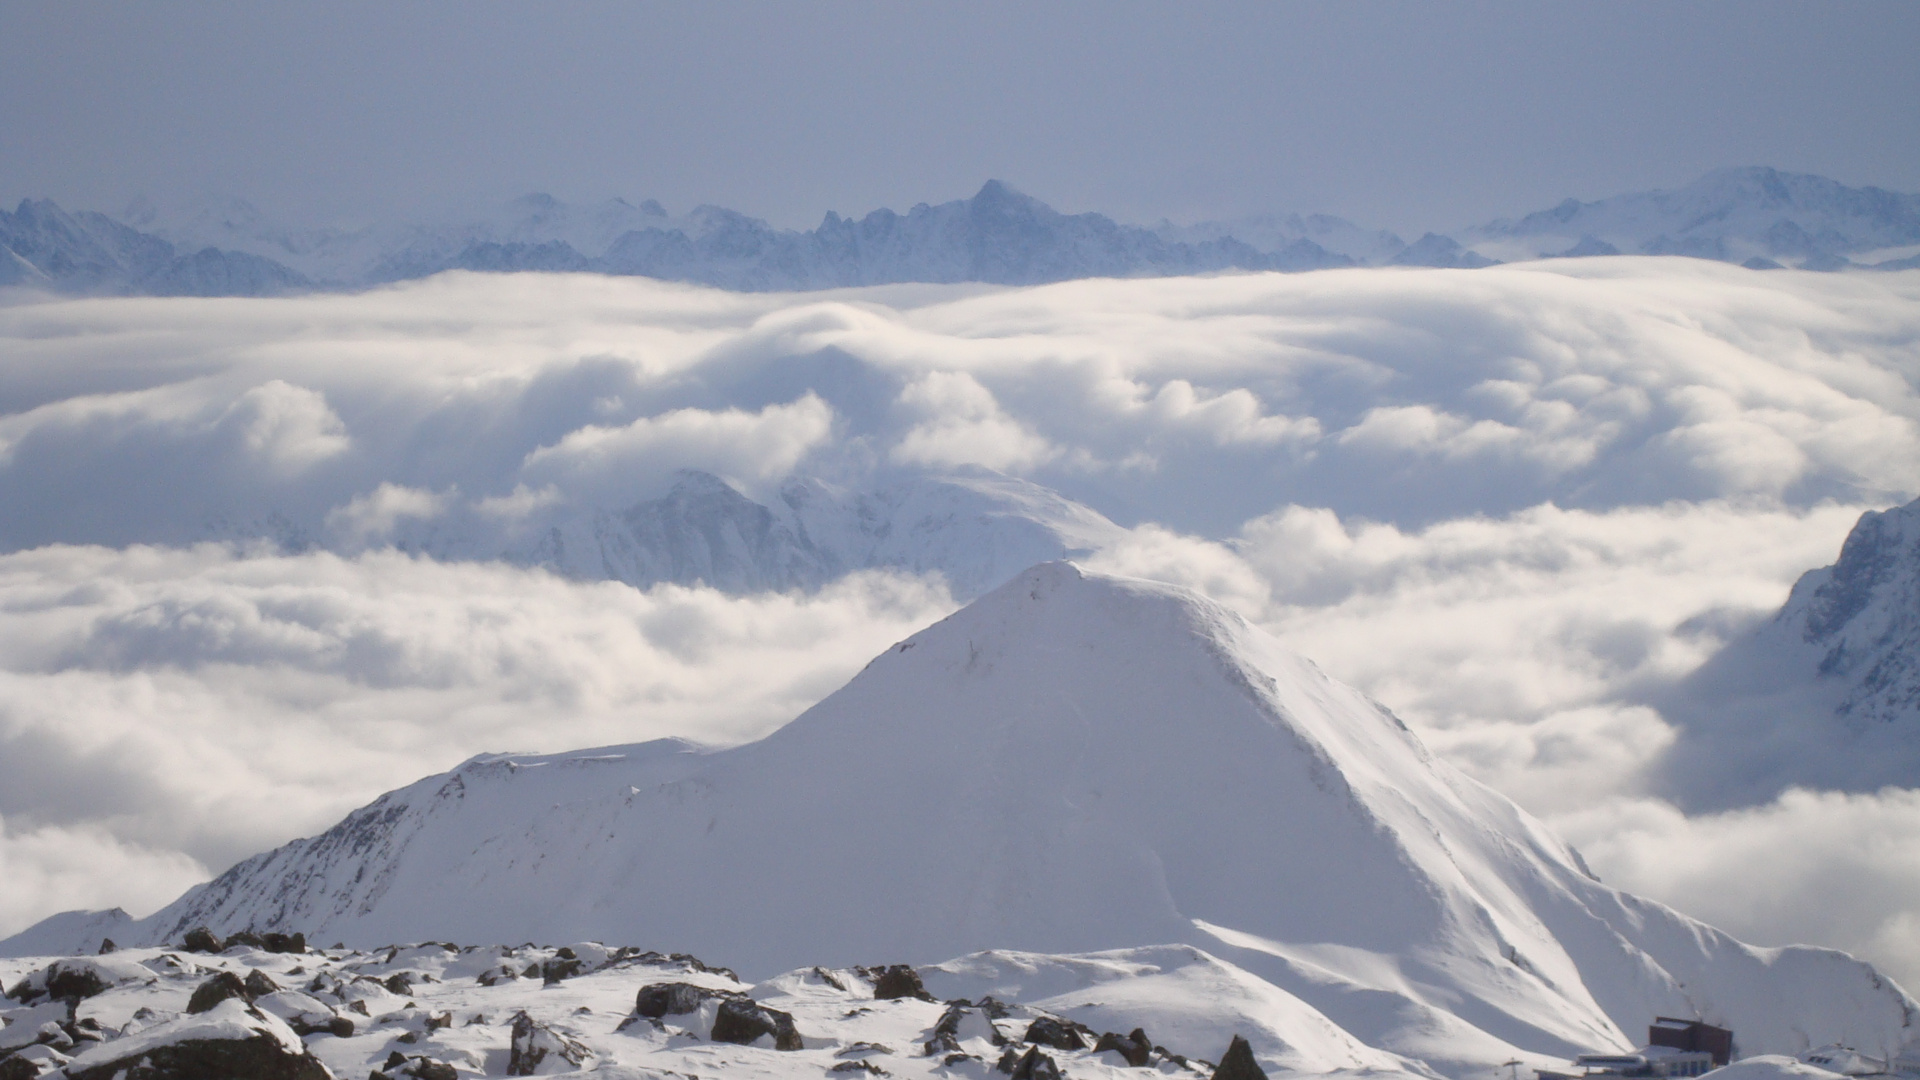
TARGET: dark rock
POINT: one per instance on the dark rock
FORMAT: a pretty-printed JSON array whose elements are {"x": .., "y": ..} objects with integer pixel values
[
  {"x": 1134, "y": 1046},
  {"x": 560, "y": 968},
  {"x": 340, "y": 1027},
  {"x": 674, "y": 999},
  {"x": 285, "y": 943},
  {"x": 896, "y": 981},
  {"x": 436, "y": 1021},
  {"x": 859, "y": 1066},
  {"x": 742, "y": 1020},
  {"x": 217, "y": 989},
  {"x": 534, "y": 1042},
  {"x": 1238, "y": 1064},
  {"x": 1057, "y": 1033},
  {"x": 400, "y": 982},
  {"x": 248, "y": 939},
  {"x": 1032, "y": 1065},
  {"x": 259, "y": 984},
  {"x": 107, "y": 946},
  {"x": 201, "y": 940}
]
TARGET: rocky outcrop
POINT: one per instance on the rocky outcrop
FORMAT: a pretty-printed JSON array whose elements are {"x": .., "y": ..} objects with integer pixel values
[
  {"x": 895, "y": 981},
  {"x": 1238, "y": 1064},
  {"x": 1057, "y": 1033},
  {"x": 1134, "y": 1046},
  {"x": 744, "y": 1021}
]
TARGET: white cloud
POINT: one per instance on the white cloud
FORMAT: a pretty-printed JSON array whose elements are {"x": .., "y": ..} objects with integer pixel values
[
  {"x": 289, "y": 426},
  {"x": 963, "y": 425},
  {"x": 520, "y": 502},
  {"x": 57, "y": 868},
  {"x": 598, "y": 463},
  {"x": 1827, "y": 868},
  {"x": 374, "y": 515}
]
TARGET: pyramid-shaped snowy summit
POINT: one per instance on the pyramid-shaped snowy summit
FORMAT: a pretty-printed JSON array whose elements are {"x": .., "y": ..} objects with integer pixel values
[{"x": 1072, "y": 762}]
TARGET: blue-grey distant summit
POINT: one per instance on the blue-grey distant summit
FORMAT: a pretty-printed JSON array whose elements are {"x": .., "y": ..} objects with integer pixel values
[{"x": 1760, "y": 217}]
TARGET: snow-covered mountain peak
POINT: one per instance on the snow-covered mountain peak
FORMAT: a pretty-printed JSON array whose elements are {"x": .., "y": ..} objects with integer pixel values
[{"x": 1074, "y": 762}]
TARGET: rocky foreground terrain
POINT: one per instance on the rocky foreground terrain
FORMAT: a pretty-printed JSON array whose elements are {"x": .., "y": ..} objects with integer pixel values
[{"x": 269, "y": 1008}]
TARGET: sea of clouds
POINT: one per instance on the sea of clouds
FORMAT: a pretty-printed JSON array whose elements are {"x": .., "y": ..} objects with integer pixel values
[{"x": 1512, "y": 504}]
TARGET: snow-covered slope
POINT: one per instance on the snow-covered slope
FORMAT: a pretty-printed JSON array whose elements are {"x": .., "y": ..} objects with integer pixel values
[
  {"x": 1071, "y": 763},
  {"x": 1825, "y": 694},
  {"x": 1731, "y": 214}
]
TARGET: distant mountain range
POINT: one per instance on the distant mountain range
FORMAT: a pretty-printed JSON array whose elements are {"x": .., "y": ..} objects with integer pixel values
[{"x": 1760, "y": 217}]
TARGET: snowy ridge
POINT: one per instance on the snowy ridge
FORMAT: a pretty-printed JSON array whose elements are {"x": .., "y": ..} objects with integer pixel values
[{"x": 1073, "y": 763}]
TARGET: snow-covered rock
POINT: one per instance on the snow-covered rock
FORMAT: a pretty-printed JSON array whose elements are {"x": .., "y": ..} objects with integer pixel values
[
  {"x": 1826, "y": 694},
  {"x": 231, "y": 1040},
  {"x": 1072, "y": 763}
]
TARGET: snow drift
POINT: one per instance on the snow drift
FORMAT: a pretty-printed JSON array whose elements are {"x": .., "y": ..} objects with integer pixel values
[{"x": 1072, "y": 763}]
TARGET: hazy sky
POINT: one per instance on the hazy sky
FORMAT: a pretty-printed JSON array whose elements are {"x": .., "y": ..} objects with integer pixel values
[{"x": 1405, "y": 115}]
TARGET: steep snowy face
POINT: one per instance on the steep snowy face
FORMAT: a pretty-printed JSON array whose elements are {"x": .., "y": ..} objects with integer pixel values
[
  {"x": 1071, "y": 763},
  {"x": 1828, "y": 692}
]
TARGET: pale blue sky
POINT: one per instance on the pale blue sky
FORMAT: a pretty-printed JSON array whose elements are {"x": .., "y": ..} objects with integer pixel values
[{"x": 1407, "y": 115}]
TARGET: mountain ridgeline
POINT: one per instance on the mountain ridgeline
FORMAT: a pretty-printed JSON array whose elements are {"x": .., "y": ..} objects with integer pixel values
[{"x": 1760, "y": 217}]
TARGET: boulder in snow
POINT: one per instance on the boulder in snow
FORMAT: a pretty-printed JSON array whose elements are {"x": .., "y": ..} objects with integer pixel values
[{"x": 744, "y": 1021}]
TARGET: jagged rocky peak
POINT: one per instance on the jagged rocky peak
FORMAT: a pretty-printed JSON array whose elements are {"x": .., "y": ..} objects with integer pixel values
[
  {"x": 1073, "y": 762},
  {"x": 1826, "y": 693}
]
